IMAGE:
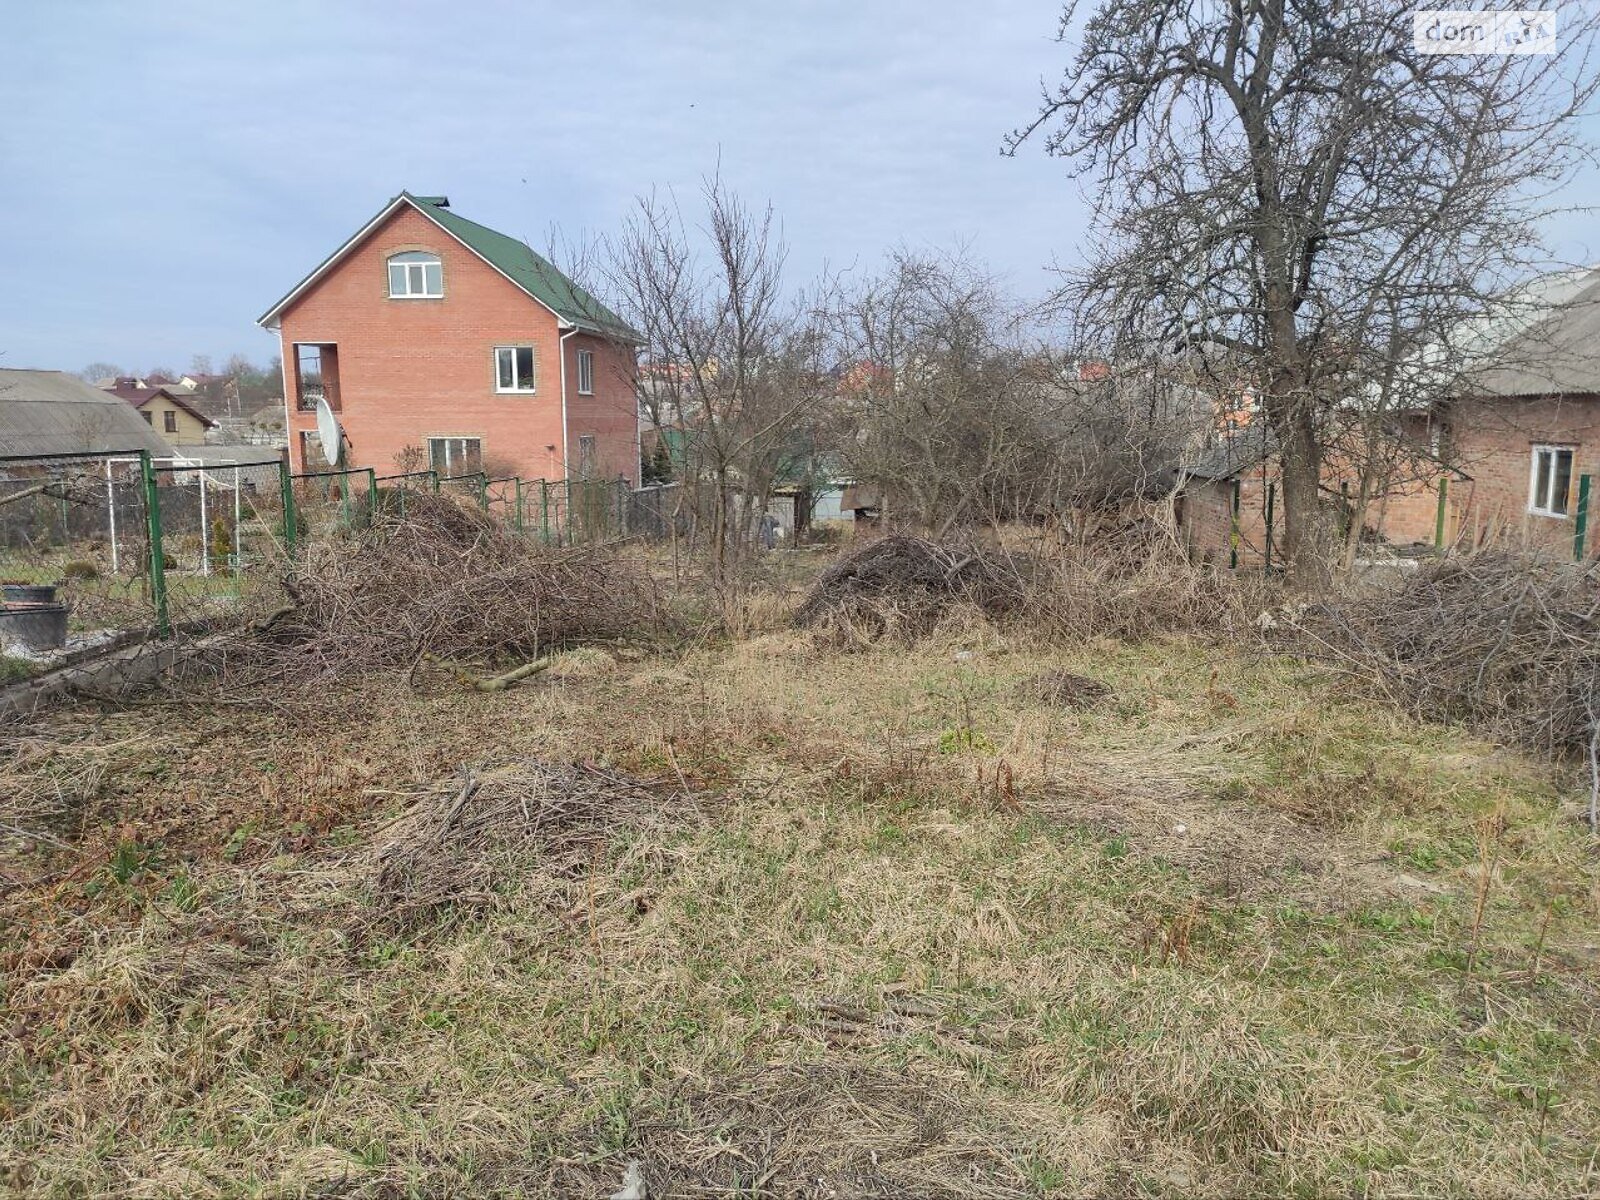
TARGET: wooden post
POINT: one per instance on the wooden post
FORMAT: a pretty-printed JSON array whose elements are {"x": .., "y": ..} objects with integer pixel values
[
  {"x": 1272, "y": 495},
  {"x": 1438, "y": 520},
  {"x": 1580, "y": 525},
  {"x": 1233, "y": 530}
]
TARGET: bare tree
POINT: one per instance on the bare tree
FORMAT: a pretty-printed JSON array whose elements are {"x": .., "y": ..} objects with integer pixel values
[
  {"x": 96, "y": 371},
  {"x": 1300, "y": 197},
  {"x": 730, "y": 358},
  {"x": 958, "y": 408}
]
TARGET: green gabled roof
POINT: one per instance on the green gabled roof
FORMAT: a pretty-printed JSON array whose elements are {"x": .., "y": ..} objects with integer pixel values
[
  {"x": 514, "y": 259},
  {"x": 529, "y": 271}
]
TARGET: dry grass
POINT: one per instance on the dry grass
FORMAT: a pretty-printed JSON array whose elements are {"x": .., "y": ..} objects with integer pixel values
[
  {"x": 938, "y": 937},
  {"x": 1135, "y": 580}
]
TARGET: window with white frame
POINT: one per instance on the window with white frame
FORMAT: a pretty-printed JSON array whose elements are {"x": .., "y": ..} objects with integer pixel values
[
  {"x": 513, "y": 368},
  {"x": 1550, "y": 480},
  {"x": 455, "y": 455},
  {"x": 585, "y": 372},
  {"x": 416, "y": 275}
]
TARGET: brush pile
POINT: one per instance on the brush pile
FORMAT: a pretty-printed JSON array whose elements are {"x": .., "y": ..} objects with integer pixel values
[
  {"x": 905, "y": 585},
  {"x": 1505, "y": 642},
  {"x": 449, "y": 583},
  {"x": 465, "y": 837}
]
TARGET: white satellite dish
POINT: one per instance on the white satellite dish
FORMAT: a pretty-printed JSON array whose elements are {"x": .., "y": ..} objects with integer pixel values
[{"x": 329, "y": 433}]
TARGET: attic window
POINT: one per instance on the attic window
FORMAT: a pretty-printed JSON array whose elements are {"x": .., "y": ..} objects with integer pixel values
[{"x": 416, "y": 275}]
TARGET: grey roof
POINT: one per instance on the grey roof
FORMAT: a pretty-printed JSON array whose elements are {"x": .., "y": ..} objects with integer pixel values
[
  {"x": 52, "y": 412},
  {"x": 1548, "y": 343},
  {"x": 1249, "y": 447}
]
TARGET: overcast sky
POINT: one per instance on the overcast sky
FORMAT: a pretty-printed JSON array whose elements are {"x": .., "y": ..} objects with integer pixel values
[{"x": 175, "y": 167}]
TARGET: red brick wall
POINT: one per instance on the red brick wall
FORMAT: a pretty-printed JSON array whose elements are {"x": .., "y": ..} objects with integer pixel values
[
  {"x": 1492, "y": 441},
  {"x": 611, "y": 415},
  {"x": 413, "y": 369},
  {"x": 1207, "y": 518}
]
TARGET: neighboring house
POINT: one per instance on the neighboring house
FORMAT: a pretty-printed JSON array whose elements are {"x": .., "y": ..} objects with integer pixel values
[
  {"x": 1525, "y": 426},
  {"x": 1511, "y": 445},
  {"x": 52, "y": 412},
  {"x": 442, "y": 343},
  {"x": 166, "y": 411}
]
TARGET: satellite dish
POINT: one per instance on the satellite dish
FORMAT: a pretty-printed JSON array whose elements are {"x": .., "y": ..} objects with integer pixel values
[{"x": 329, "y": 433}]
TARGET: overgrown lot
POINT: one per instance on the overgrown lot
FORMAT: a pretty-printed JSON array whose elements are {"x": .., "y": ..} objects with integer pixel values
[{"x": 773, "y": 917}]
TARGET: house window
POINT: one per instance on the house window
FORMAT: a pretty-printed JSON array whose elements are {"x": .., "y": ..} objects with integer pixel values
[
  {"x": 455, "y": 455},
  {"x": 169, "y": 420},
  {"x": 148, "y": 418},
  {"x": 585, "y": 372},
  {"x": 416, "y": 275},
  {"x": 1550, "y": 480},
  {"x": 586, "y": 456},
  {"x": 513, "y": 368}
]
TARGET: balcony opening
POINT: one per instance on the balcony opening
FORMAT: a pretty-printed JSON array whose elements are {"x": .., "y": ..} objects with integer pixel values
[{"x": 316, "y": 375}]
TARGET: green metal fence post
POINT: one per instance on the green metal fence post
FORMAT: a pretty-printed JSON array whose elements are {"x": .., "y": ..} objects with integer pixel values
[
  {"x": 434, "y": 475},
  {"x": 1272, "y": 495},
  {"x": 158, "y": 554},
  {"x": 483, "y": 490},
  {"x": 290, "y": 522},
  {"x": 372, "y": 495},
  {"x": 1438, "y": 518},
  {"x": 517, "y": 520},
  {"x": 1580, "y": 524},
  {"x": 544, "y": 510},
  {"x": 1233, "y": 528}
]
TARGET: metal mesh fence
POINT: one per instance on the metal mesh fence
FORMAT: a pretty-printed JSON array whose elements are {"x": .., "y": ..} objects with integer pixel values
[
  {"x": 101, "y": 548},
  {"x": 221, "y": 531},
  {"x": 74, "y": 548}
]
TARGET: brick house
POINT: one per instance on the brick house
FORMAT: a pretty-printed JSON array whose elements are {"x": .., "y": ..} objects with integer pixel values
[
  {"x": 1509, "y": 448},
  {"x": 442, "y": 343},
  {"x": 1526, "y": 427},
  {"x": 169, "y": 412}
]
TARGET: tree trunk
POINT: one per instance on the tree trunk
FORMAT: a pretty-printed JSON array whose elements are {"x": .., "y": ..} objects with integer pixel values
[{"x": 1305, "y": 528}]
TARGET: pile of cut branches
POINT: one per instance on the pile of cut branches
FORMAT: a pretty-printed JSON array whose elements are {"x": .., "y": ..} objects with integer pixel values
[
  {"x": 442, "y": 583},
  {"x": 462, "y": 837},
  {"x": 1508, "y": 643},
  {"x": 904, "y": 585}
]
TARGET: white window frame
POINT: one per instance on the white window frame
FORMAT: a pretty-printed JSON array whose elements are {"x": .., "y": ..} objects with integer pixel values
[
  {"x": 448, "y": 439},
  {"x": 585, "y": 372},
  {"x": 516, "y": 388},
  {"x": 418, "y": 261},
  {"x": 1539, "y": 505}
]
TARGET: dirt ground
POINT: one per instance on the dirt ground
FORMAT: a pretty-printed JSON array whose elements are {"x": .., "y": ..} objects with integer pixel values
[{"x": 768, "y": 917}]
